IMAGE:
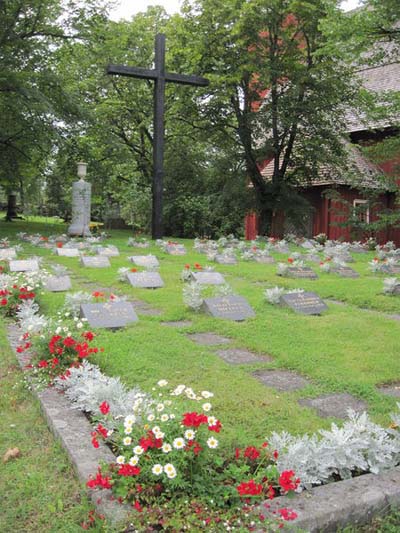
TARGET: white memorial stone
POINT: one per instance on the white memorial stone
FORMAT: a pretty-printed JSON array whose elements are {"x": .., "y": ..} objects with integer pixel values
[{"x": 81, "y": 196}]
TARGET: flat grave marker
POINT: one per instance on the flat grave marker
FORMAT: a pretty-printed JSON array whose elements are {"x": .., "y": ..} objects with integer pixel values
[
  {"x": 109, "y": 314},
  {"x": 208, "y": 278},
  {"x": 302, "y": 272},
  {"x": 58, "y": 283},
  {"x": 7, "y": 253},
  {"x": 237, "y": 356},
  {"x": 24, "y": 265},
  {"x": 95, "y": 261},
  {"x": 208, "y": 339},
  {"x": 149, "y": 261},
  {"x": 229, "y": 307},
  {"x": 304, "y": 303},
  {"x": 345, "y": 272},
  {"x": 335, "y": 405},
  {"x": 391, "y": 269},
  {"x": 145, "y": 280},
  {"x": 225, "y": 259},
  {"x": 265, "y": 259},
  {"x": 110, "y": 251},
  {"x": 176, "y": 249},
  {"x": 68, "y": 252},
  {"x": 282, "y": 380}
]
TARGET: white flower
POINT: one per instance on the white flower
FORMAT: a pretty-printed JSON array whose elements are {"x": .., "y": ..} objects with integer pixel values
[
  {"x": 169, "y": 469},
  {"x": 128, "y": 430},
  {"x": 160, "y": 407},
  {"x": 172, "y": 417},
  {"x": 127, "y": 441},
  {"x": 129, "y": 420},
  {"x": 79, "y": 325},
  {"x": 212, "y": 442},
  {"x": 150, "y": 418},
  {"x": 164, "y": 417},
  {"x": 138, "y": 450},
  {"x": 58, "y": 330},
  {"x": 120, "y": 460},
  {"x": 206, "y": 394},
  {"x": 206, "y": 406},
  {"x": 162, "y": 383},
  {"x": 190, "y": 434},
  {"x": 179, "y": 389},
  {"x": 166, "y": 448},
  {"x": 157, "y": 470},
  {"x": 133, "y": 461},
  {"x": 178, "y": 443},
  {"x": 159, "y": 435},
  {"x": 211, "y": 420}
]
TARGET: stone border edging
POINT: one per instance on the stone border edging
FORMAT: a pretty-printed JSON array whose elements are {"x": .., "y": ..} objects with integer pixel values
[
  {"x": 72, "y": 429},
  {"x": 326, "y": 508},
  {"x": 350, "y": 502}
]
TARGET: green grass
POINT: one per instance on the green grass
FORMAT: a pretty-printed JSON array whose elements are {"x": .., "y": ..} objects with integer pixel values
[{"x": 351, "y": 348}]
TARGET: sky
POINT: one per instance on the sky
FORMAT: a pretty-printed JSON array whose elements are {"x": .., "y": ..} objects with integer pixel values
[{"x": 127, "y": 8}]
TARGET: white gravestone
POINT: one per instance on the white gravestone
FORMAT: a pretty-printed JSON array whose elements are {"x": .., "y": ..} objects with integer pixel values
[{"x": 81, "y": 195}]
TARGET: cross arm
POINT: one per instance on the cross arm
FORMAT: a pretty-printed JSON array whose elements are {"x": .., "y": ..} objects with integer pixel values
[
  {"x": 184, "y": 79},
  {"x": 132, "y": 72}
]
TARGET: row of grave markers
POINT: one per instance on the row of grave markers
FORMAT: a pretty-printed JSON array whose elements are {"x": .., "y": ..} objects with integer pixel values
[{"x": 119, "y": 314}]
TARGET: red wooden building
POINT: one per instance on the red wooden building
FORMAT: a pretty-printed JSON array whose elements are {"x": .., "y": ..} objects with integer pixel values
[{"x": 329, "y": 213}]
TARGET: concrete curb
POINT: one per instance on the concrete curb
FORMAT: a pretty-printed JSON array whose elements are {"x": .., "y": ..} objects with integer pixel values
[
  {"x": 322, "y": 509},
  {"x": 73, "y": 429}
]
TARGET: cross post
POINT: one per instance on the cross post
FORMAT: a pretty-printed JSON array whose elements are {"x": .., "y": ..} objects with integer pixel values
[{"x": 160, "y": 78}]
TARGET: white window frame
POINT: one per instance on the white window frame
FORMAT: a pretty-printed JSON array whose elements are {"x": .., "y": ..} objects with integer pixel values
[{"x": 358, "y": 202}]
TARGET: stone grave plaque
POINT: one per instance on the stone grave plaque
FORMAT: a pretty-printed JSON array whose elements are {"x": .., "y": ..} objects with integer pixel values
[
  {"x": 208, "y": 278},
  {"x": 304, "y": 303},
  {"x": 108, "y": 251},
  {"x": 95, "y": 261},
  {"x": 225, "y": 260},
  {"x": 265, "y": 259},
  {"x": 345, "y": 272},
  {"x": 149, "y": 261},
  {"x": 229, "y": 307},
  {"x": 307, "y": 245},
  {"x": 396, "y": 291},
  {"x": 58, "y": 283},
  {"x": 313, "y": 258},
  {"x": 68, "y": 252},
  {"x": 109, "y": 315},
  {"x": 176, "y": 249},
  {"x": 391, "y": 269},
  {"x": 145, "y": 280},
  {"x": 302, "y": 272},
  {"x": 25, "y": 265},
  {"x": 7, "y": 253}
]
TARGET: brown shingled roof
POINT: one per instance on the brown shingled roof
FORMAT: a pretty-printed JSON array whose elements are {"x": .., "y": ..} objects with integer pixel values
[{"x": 362, "y": 173}]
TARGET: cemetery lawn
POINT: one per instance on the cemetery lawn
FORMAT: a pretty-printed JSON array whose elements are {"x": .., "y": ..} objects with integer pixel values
[{"x": 351, "y": 348}]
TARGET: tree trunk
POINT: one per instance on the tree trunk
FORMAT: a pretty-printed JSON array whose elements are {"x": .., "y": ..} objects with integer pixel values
[{"x": 11, "y": 207}]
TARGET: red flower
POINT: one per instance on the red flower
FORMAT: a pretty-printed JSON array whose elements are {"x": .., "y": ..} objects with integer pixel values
[
  {"x": 4, "y": 302},
  {"x": 194, "y": 419},
  {"x": 104, "y": 408},
  {"x": 43, "y": 364},
  {"x": 54, "y": 362},
  {"x": 198, "y": 266},
  {"x": 216, "y": 427},
  {"x": 237, "y": 453},
  {"x": 20, "y": 349},
  {"x": 249, "y": 488},
  {"x": 99, "y": 481},
  {"x": 137, "y": 506},
  {"x": 290, "y": 260},
  {"x": 88, "y": 335},
  {"x": 287, "y": 480},
  {"x": 59, "y": 245},
  {"x": 97, "y": 294},
  {"x": 95, "y": 442},
  {"x": 252, "y": 453},
  {"x": 187, "y": 266},
  {"x": 133, "y": 269},
  {"x": 128, "y": 470},
  {"x": 69, "y": 341},
  {"x": 102, "y": 430},
  {"x": 275, "y": 454},
  {"x": 287, "y": 514}
]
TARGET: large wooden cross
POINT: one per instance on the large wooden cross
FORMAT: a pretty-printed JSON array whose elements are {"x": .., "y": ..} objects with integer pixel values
[{"x": 160, "y": 77}]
